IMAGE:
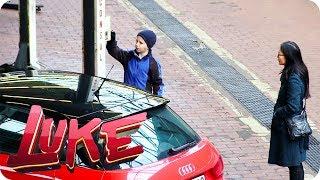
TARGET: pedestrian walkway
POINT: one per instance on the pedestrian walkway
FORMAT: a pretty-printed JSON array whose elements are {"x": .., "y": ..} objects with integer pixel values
[
  {"x": 202, "y": 102},
  {"x": 252, "y": 32}
]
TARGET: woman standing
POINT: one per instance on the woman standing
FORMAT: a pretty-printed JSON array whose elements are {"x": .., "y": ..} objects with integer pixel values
[{"x": 294, "y": 89}]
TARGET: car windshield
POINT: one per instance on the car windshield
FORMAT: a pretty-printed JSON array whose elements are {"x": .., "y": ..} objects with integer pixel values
[{"x": 161, "y": 134}]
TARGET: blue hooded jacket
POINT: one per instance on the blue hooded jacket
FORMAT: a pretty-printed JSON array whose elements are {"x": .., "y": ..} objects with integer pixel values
[{"x": 142, "y": 73}]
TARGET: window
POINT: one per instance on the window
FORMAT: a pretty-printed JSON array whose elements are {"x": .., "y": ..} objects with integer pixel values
[{"x": 12, "y": 124}]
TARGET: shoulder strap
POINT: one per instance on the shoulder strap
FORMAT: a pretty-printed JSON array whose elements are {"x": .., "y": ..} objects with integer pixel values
[{"x": 304, "y": 103}]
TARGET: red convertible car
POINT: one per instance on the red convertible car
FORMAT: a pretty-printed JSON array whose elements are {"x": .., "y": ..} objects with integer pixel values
[{"x": 132, "y": 134}]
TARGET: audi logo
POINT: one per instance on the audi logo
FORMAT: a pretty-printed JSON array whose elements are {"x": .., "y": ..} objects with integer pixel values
[{"x": 187, "y": 169}]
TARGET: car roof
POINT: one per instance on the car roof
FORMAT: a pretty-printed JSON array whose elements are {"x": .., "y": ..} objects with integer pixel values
[{"x": 75, "y": 95}]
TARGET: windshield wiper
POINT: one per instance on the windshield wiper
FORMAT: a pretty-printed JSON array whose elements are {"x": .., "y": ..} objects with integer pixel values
[
  {"x": 176, "y": 150},
  {"x": 96, "y": 93}
]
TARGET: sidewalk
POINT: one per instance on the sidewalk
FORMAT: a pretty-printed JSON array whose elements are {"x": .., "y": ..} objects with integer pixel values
[
  {"x": 252, "y": 31},
  {"x": 205, "y": 107}
]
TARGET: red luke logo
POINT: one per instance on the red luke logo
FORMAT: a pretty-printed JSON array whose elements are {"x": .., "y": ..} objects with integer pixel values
[{"x": 39, "y": 149}]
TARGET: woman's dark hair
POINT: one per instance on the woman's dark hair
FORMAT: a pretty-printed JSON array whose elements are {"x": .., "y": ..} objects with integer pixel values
[{"x": 294, "y": 63}]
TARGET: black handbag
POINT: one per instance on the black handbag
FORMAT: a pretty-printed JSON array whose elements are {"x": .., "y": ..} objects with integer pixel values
[{"x": 298, "y": 125}]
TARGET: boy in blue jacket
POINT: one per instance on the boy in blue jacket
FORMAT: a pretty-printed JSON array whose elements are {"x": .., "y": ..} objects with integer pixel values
[{"x": 141, "y": 70}]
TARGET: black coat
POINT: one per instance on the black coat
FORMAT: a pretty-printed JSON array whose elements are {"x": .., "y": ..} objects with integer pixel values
[{"x": 284, "y": 151}]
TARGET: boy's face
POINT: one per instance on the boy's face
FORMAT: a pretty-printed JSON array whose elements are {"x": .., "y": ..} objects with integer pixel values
[{"x": 141, "y": 46}]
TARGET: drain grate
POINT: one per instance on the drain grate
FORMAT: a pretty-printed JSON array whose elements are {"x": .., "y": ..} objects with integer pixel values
[{"x": 229, "y": 78}]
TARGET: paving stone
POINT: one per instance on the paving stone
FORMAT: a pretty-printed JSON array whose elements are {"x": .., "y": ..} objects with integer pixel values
[{"x": 227, "y": 21}]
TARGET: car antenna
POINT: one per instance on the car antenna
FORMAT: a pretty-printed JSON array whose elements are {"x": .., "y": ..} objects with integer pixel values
[{"x": 96, "y": 93}]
